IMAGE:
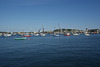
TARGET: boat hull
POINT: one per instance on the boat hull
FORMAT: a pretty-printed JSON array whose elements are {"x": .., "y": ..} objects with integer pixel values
[
  {"x": 68, "y": 34},
  {"x": 26, "y": 36},
  {"x": 20, "y": 38}
]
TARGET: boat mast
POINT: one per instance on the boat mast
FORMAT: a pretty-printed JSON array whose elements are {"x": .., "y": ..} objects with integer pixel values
[
  {"x": 43, "y": 29},
  {"x": 60, "y": 29}
]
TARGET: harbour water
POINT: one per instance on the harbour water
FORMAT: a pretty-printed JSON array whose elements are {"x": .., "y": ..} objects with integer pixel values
[{"x": 49, "y": 51}]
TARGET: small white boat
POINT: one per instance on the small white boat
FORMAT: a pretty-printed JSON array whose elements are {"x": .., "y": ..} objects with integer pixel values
[
  {"x": 87, "y": 34},
  {"x": 56, "y": 35},
  {"x": 6, "y": 35},
  {"x": 36, "y": 34},
  {"x": 75, "y": 34},
  {"x": 42, "y": 34}
]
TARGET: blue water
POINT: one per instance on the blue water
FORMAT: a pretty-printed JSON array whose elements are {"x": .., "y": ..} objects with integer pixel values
[{"x": 49, "y": 51}]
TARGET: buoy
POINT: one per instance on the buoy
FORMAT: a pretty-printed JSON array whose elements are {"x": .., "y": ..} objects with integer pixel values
[
  {"x": 49, "y": 37},
  {"x": 28, "y": 38}
]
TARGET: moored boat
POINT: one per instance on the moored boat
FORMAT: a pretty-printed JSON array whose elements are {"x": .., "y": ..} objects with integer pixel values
[
  {"x": 86, "y": 34},
  {"x": 76, "y": 34},
  {"x": 24, "y": 38},
  {"x": 43, "y": 34},
  {"x": 26, "y": 35},
  {"x": 36, "y": 34},
  {"x": 6, "y": 35},
  {"x": 56, "y": 35},
  {"x": 68, "y": 34}
]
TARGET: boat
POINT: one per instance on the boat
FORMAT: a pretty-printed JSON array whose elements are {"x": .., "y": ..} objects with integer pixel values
[
  {"x": 36, "y": 34},
  {"x": 26, "y": 35},
  {"x": 24, "y": 38},
  {"x": 75, "y": 34},
  {"x": 86, "y": 34},
  {"x": 20, "y": 34},
  {"x": 68, "y": 34},
  {"x": 42, "y": 34},
  {"x": 56, "y": 35},
  {"x": 7, "y": 35}
]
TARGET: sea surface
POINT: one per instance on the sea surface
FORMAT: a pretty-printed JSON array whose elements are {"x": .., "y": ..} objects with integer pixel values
[{"x": 49, "y": 51}]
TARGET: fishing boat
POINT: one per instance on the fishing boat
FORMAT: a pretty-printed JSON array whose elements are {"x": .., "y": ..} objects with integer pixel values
[
  {"x": 68, "y": 34},
  {"x": 24, "y": 38},
  {"x": 26, "y": 35}
]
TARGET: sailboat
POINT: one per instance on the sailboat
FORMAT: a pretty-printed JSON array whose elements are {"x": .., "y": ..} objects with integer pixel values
[
  {"x": 37, "y": 34},
  {"x": 56, "y": 34},
  {"x": 86, "y": 32},
  {"x": 74, "y": 33},
  {"x": 43, "y": 34}
]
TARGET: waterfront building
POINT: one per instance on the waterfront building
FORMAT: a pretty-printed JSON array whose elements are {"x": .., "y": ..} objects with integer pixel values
[
  {"x": 94, "y": 31},
  {"x": 68, "y": 31}
]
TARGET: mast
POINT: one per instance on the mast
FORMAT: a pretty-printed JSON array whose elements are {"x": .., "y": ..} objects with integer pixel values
[
  {"x": 60, "y": 29},
  {"x": 43, "y": 29}
]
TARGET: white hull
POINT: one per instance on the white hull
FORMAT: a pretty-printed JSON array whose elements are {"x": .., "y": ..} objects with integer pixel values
[
  {"x": 56, "y": 35},
  {"x": 43, "y": 34},
  {"x": 76, "y": 34},
  {"x": 7, "y": 35},
  {"x": 87, "y": 34},
  {"x": 36, "y": 34}
]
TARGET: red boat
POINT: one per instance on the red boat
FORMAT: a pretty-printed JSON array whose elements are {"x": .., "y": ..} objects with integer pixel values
[
  {"x": 26, "y": 36},
  {"x": 68, "y": 34}
]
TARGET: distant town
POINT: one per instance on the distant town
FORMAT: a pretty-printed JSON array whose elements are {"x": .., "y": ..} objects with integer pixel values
[{"x": 58, "y": 31}]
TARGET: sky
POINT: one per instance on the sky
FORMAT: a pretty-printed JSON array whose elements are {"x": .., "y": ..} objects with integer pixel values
[{"x": 31, "y": 15}]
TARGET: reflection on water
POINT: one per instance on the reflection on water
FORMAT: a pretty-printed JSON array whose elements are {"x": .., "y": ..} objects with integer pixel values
[{"x": 49, "y": 51}]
